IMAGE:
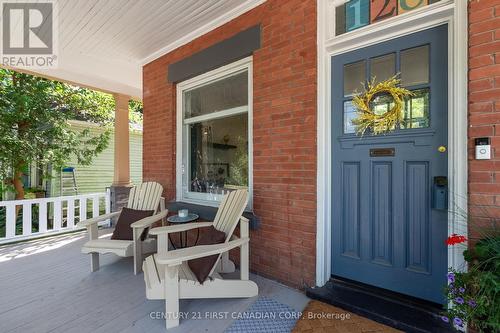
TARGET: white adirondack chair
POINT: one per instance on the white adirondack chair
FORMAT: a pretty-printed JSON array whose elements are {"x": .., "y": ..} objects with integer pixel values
[
  {"x": 168, "y": 276},
  {"x": 146, "y": 196}
]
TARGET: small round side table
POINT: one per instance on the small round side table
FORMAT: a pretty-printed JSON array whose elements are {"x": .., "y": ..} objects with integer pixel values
[{"x": 183, "y": 239}]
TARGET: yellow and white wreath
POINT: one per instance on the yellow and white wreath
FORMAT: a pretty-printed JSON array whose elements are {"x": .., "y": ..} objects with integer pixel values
[{"x": 380, "y": 123}]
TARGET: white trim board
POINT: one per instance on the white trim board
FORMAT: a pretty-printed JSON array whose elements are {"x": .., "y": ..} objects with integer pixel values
[{"x": 444, "y": 12}]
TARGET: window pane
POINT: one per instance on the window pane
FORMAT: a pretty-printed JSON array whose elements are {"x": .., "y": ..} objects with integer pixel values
[
  {"x": 357, "y": 14},
  {"x": 220, "y": 95},
  {"x": 415, "y": 66},
  {"x": 384, "y": 67},
  {"x": 349, "y": 116},
  {"x": 382, "y": 104},
  {"x": 340, "y": 20},
  {"x": 218, "y": 155},
  {"x": 417, "y": 110},
  {"x": 354, "y": 77}
]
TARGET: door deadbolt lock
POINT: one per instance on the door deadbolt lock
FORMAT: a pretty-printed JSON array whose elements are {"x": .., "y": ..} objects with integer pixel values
[{"x": 442, "y": 149}]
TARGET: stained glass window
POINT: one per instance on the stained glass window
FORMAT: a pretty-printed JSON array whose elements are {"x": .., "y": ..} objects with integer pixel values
[{"x": 355, "y": 14}]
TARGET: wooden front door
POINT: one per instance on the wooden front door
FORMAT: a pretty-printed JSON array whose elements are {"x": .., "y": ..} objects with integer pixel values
[{"x": 389, "y": 192}]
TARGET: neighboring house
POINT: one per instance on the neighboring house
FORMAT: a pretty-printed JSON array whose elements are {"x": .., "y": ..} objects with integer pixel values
[{"x": 99, "y": 174}]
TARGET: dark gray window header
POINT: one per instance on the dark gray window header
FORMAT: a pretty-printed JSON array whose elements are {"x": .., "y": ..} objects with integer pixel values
[{"x": 234, "y": 48}]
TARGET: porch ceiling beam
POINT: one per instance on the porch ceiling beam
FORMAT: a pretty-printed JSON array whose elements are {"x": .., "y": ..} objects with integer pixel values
[{"x": 114, "y": 77}]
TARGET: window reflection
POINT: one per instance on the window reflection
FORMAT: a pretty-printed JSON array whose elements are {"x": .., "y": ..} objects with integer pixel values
[
  {"x": 349, "y": 116},
  {"x": 219, "y": 155},
  {"x": 417, "y": 110}
]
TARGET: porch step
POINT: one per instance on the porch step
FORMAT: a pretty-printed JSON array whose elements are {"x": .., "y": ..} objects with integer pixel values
[{"x": 395, "y": 310}]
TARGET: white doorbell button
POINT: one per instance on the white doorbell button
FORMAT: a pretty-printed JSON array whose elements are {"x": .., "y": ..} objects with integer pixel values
[{"x": 483, "y": 148}]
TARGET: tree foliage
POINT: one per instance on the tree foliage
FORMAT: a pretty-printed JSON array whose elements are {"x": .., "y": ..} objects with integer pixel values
[{"x": 34, "y": 127}]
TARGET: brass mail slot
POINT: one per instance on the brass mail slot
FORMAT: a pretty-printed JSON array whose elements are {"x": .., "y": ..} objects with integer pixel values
[{"x": 382, "y": 152}]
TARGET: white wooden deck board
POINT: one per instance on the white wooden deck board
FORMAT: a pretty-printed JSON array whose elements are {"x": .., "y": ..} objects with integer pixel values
[{"x": 46, "y": 286}]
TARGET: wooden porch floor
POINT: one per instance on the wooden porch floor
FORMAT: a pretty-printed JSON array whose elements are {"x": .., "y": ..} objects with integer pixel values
[{"x": 46, "y": 286}]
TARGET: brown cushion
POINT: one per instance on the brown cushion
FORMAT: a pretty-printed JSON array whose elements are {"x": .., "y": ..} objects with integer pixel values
[
  {"x": 201, "y": 267},
  {"x": 123, "y": 230}
]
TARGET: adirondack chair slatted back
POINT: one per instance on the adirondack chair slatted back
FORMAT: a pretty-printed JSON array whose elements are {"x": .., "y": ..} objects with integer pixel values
[
  {"x": 230, "y": 211},
  {"x": 145, "y": 196}
]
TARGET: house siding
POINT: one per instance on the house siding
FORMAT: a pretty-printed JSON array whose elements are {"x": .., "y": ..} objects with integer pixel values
[
  {"x": 99, "y": 174},
  {"x": 484, "y": 113},
  {"x": 284, "y": 134}
]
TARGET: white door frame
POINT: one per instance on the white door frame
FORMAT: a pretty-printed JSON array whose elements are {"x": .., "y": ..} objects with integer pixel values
[{"x": 454, "y": 13}]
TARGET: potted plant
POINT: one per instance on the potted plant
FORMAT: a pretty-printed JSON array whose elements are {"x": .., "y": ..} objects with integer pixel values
[
  {"x": 474, "y": 296},
  {"x": 37, "y": 192}
]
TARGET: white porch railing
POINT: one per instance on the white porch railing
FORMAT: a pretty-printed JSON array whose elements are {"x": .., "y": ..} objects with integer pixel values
[{"x": 55, "y": 215}]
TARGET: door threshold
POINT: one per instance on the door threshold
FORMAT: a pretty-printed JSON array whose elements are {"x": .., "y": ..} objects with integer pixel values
[{"x": 392, "y": 309}]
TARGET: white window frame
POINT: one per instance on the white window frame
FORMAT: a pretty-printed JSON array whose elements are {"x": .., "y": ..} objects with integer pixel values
[{"x": 182, "y": 194}]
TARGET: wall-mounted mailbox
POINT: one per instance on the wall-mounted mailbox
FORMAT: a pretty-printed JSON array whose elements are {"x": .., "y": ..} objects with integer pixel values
[
  {"x": 440, "y": 193},
  {"x": 483, "y": 148}
]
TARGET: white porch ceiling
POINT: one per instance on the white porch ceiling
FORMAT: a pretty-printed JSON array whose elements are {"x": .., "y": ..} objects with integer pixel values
[{"x": 104, "y": 43}]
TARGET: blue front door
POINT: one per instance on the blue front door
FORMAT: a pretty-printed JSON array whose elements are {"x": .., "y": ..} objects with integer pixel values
[{"x": 389, "y": 191}]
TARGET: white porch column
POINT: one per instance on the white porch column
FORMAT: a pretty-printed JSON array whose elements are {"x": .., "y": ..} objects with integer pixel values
[{"x": 122, "y": 154}]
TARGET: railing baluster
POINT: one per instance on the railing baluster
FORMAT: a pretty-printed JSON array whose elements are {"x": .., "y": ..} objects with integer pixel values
[
  {"x": 107, "y": 205},
  {"x": 70, "y": 213},
  {"x": 57, "y": 214},
  {"x": 42, "y": 217},
  {"x": 27, "y": 219},
  {"x": 10, "y": 221},
  {"x": 95, "y": 206},
  {"x": 107, "y": 201},
  {"x": 83, "y": 209}
]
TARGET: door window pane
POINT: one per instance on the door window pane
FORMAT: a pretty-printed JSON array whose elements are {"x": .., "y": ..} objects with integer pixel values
[
  {"x": 415, "y": 66},
  {"x": 354, "y": 77},
  {"x": 417, "y": 110},
  {"x": 218, "y": 155},
  {"x": 349, "y": 115},
  {"x": 382, "y": 104},
  {"x": 383, "y": 68},
  {"x": 227, "y": 93}
]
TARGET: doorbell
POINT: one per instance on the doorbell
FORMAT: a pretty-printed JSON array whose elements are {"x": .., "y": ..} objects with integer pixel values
[{"x": 483, "y": 148}]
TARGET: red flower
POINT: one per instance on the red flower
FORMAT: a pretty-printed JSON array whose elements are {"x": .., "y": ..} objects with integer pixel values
[{"x": 455, "y": 239}]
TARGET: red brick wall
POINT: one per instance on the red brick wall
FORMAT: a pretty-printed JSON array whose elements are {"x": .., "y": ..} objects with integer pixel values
[
  {"x": 484, "y": 111},
  {"x": 284, "y": 134}
]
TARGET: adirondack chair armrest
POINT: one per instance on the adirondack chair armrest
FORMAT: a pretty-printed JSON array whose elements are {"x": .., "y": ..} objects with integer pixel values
[
  {"x": 176, "y": 257},
  {"x": 178, "y": 228},
  {"x": 147, "y": 221},
  {"x": 89, "y": 222}
]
